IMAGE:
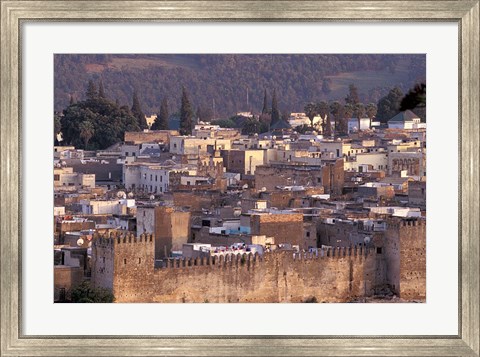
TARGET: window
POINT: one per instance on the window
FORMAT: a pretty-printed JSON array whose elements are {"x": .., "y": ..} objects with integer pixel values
[
  {"x": 133, "y": 153},
  {"x": 56, "y": 177},
  {"x": 126, "y": 153},
  {"x": 161, "y": 178},
  {"x": 379, "y": 250},
  {"x": 156, "y": 178},
  {"x": 124, "y": 261},
  {"x": 139, "y": 260},
  {"x": 175, "y": 145},
  {"x": 307, "y": 234}
]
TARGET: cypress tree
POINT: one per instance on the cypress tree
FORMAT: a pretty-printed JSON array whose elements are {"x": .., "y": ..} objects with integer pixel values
[
  {"x": 72, "y": 100},
  {"x": 91, "y": 91},
  {"x": 275, "y": 111},
  {"x": 186, "y": 114},
  {"x": 161, "y": 122},
  {"x": 265, "y": 103},
  {"x": 101, "y": 90},
  {"x": 352, "y": 97},
  {"x": 138, "y": 113}
]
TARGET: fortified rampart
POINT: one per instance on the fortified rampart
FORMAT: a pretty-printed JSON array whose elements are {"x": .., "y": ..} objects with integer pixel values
[
  {"x": 125, "y": 264},
  {"x": 405, "y": 255}
]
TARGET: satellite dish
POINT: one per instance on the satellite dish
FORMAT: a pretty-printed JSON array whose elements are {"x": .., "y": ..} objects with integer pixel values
[
  {"x": 255, "y": 135},
  {"x": 80, "y": 242},
  {"x": 121, "y": 194},
  {"x": 366, "y": 240},
  {"x": 274, "y": 137},
  {"x": 245, "y": 186},
  {"x": 237, "y": 213},
  {"x": 263, "y": 189},
  {"x": 152, "y": 197},
  {"x": 130, "y": 195}
]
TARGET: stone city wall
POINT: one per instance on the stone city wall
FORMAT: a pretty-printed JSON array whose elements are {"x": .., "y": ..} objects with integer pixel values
[{"x": 332, "y": 275}]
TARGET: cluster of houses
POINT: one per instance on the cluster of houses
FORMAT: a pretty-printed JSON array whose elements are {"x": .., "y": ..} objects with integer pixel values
[{"x": 217, "y": 191}]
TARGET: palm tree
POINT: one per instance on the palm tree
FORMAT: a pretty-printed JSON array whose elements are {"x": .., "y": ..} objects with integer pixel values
[{"x": 86, "y": 132}]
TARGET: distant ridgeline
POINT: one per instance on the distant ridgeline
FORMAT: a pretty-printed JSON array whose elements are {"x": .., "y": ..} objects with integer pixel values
[
  {"x": 235, "y": 82},
  {"x": 125, "y": 264}
]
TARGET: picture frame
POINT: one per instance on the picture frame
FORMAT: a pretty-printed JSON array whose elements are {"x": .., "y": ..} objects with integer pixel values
[{"x": 14, "y": 13}]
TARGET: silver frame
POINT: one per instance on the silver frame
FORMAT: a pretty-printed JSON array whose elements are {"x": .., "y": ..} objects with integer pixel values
[{"x": 465, "y": 13}]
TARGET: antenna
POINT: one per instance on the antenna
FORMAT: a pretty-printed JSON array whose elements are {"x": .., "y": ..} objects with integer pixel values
[{"x": 248, "y": 106}]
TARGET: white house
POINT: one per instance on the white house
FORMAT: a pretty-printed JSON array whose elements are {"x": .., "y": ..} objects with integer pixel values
[{"x": 406, "y": 120}]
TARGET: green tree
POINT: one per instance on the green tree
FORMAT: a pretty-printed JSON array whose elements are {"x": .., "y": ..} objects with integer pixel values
[
  {"x": 338, "y": 112},
  {"x": 371, "y": 110},
  {"x": 322, "y": 109},
  {"x": 349, "y": 110},
  {"x": 225, "y": 123},
  {"x": 311, "y": 111},
  {"x": 109, "y": 122},
  {"x": 85, "y": 293},
  {"x": 359, "y": 111},
  {"x": 186, "y": 114},
  {"x": 416, "y": 99},
  {"x": 275, "y": 111},
  {"x": 265, "y": 102},
  {"x": 92, "y": 92},
  {"x": 251, "y": 126},
  {"x": 389, "y": 105},
  {"x": 137, "y": 112},
  {"x": 161, "y": 122},
  {"x": 327, "y": 128},
  {"x": 352, "y": 97},
  {"x": 101, "y": 90},
  {"x": 86, "y": 131},
  {"x": 326, "y": 86}
]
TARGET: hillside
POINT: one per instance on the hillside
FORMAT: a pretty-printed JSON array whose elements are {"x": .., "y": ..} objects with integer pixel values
[{"x": 226, "y": 79}]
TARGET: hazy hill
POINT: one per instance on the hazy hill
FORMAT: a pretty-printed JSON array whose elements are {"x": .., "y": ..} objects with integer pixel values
[{"x": 226, "y": 79}]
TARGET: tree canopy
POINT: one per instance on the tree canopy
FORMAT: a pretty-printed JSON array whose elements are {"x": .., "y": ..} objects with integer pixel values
[
  {"x": 96, "y": 123},
  {"x": 186, "y": 114},
  {"x": 85, "y": 293},
  {"x": 138, "y": 112},
  {"x": 389, "y": 105},
  {"x": 275, "y": 110},
  {"x": 161, "y": 122},
  {"x": 416, "y": 100}
]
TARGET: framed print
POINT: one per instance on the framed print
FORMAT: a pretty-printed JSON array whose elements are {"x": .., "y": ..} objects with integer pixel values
[{"x": 210, "y": 234}]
